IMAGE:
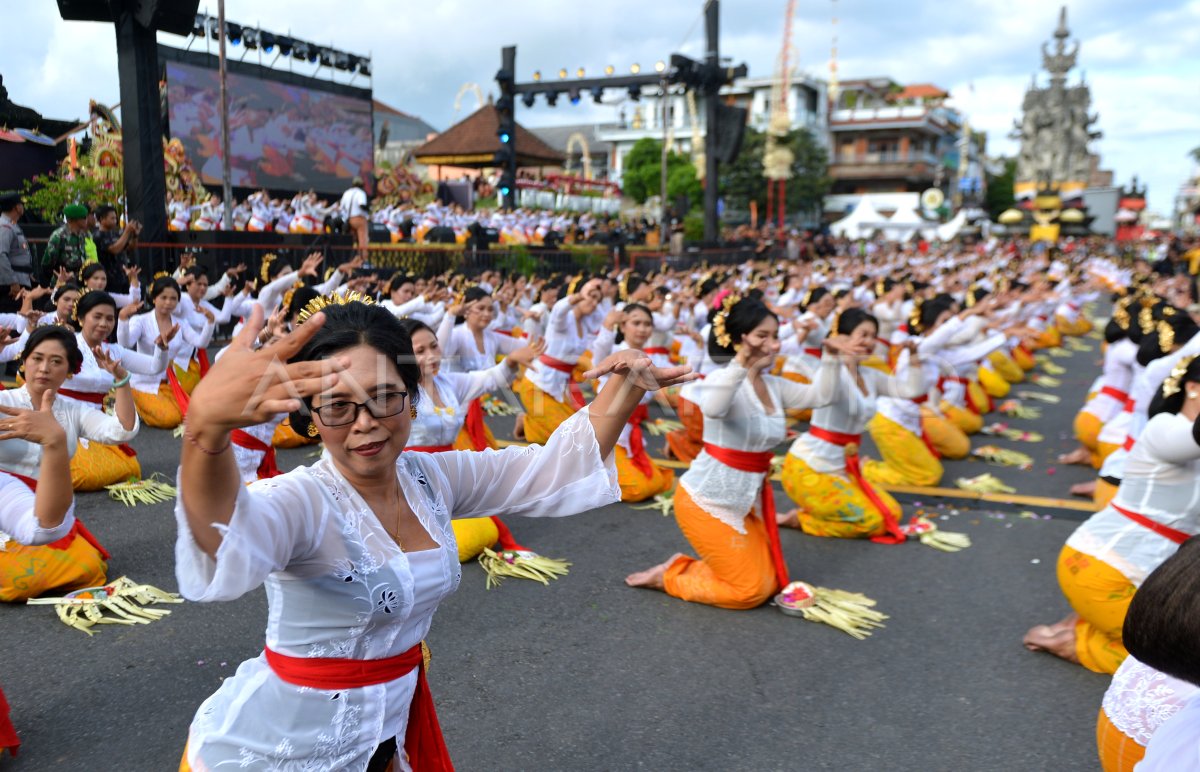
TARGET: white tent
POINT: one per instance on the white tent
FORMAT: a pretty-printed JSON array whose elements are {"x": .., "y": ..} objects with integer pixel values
[
  {"x": 860, "y": 223},
  {"x": 903, "y": 224}
]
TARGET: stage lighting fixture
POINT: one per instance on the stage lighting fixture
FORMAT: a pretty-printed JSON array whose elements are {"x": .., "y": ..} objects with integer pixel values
[
  {"x": 364, "y": 67},
  {"x": 574, "y": 95},
  {"x": 562, "y": 73},
  {"x": 660, "y": 65},
  {"x": 609, "y": 70},
  {"x": 233, "y": 32},
  {"x": 269, "y": 42},
  {"x": 199, "y": 25},
  {"x": 597, "y": 95},
  {"x": 537, "y": 76},
  {"x": 326, "y": 57},
  {"x": 528, "y": 99},
  {"x": 635, "y": 93},
  {"x": 551, "y": 98},
  {"x": 341, "y": 60},
  {"x": 250, "y": 37},
  {"x": 635, "y": 68},
  {"x": 299, "y": 49},
  {"x": 214, "y": 28}
]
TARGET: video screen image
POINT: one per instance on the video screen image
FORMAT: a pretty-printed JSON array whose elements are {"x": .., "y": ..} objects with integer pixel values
[{"x": 281, "y": 136}]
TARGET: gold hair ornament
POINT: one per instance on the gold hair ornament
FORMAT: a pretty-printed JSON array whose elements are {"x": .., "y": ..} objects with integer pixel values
[
  {"x": 318, "y": 304},
  {"x": 161, "y": 275},
  {"x": 1166, "y": 336},
  {"x": 622, "y": 289},
  {"x": 75, "y": 306},
  {"x": 265, "y": 269},
  {"x": 1173, "y": 382},
  {"x": 1146, "y": 319},
  {"x": 720, "y": 335}
]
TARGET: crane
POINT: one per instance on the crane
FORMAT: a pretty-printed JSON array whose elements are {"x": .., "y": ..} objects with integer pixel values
[{"x": 777, "y": 156}]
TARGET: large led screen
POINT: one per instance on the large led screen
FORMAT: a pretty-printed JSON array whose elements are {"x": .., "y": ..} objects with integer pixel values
[{"x": 281, "y": 136}]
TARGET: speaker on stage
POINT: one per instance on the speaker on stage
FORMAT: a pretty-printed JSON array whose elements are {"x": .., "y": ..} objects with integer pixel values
[
  {"x": 440, "y": 234},
  {"x": 378, "y": 233},
  {"x": 731, "y": 126}
]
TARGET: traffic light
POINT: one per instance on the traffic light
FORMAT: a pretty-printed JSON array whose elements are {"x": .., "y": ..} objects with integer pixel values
[{"x": 506, "y": 132}]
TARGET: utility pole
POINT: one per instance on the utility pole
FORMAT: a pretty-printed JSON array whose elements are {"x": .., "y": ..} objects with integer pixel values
[
  {"x": 712, "y": 90},
  {"x": 226, "y": 176}
]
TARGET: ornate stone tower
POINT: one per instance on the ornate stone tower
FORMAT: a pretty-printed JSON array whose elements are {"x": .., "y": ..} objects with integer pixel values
[{"x": 1056, "y": 127}]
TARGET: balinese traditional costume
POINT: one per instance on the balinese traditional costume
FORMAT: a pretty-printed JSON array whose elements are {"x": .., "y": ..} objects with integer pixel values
[
  {"x": 33, "y": 560},
  {"x": 822, "y": 472},
  {"x": 1156, "y": 509},
  {"x": 159, "y": 396},
  {"x": 724, "y": 503},
  {"x": 342, "y": 671},
  {"x": 461, "y": 353},
  {"x": 1139, "y": 700},
  {"x": 549, "y": 392}
]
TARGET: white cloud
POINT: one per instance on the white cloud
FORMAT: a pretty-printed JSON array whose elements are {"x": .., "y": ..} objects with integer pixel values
[{"x": 1139, "y": 60}]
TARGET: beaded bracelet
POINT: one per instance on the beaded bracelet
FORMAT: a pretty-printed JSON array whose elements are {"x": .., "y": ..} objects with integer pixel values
[{"x": 187, "y": 435}]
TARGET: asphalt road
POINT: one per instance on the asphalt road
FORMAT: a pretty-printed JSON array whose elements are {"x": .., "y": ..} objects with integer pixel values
[{"x": 587, "y": 674}]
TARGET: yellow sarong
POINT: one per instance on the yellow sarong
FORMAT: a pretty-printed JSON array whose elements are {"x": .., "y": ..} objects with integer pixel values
[
  {"x": 636, "y": 486},
  {"x": 1100, "y": 594},
  {"x": 947, "y": 438},
  {"x": 994, "y": 384},
  {"x": 1008, "y": 369},
  {"x": 833, "y": 505},
  {"x": 967, "y": 421},
  {"x": 543, "y": 413},
  {"x": 472, "y": 535},
  {"x": 160, "y": 410},
  {"x": 27, "y": 572},
  {"x": 906, "y": 459},
  {"x": 96, "y": 466}
]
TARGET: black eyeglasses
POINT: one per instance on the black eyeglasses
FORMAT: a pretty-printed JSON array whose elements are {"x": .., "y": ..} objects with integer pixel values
[{"x": 343, "y": 412}]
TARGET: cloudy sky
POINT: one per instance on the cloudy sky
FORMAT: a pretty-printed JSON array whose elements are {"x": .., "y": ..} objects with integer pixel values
[{"x": 1141, "y": 59}]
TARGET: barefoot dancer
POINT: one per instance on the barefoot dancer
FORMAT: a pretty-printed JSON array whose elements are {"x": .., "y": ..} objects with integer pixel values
[
  {"x": 356, "y": 550},
  {"x": 723, "y": 503}
]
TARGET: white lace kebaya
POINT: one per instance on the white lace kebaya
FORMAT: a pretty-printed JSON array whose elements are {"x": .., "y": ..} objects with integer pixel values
[{"x": 339, "y": 586}]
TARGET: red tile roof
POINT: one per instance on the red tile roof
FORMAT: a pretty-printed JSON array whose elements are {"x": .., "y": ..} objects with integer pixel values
[
  {"x": 473, "y": 141},
  {"x": 921, "y": 91}
]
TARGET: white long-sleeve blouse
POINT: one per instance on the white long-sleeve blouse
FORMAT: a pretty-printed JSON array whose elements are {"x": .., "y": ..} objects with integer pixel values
[
  {"x": 339, "y": 586},
  {"x": 1160, "y": 481},
  {"x": 734, "y": 417}
]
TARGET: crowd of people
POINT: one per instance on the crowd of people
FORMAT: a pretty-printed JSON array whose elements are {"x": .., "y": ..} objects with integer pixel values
[{"x": 913, "y": 345}]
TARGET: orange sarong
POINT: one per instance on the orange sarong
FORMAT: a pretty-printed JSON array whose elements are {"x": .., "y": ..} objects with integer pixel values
[{"x": 1118, "y": 751}]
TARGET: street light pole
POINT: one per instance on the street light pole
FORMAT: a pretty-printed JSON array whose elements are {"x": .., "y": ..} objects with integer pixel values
[
  {"x": 663, "y": 226},
  {"x": 712, "y": 17},
  {"x": 226, "y": 176}
]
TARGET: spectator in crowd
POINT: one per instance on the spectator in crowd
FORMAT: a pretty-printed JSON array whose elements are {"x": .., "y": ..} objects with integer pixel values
[
  {"x": 355, "y": 210},
  {"x": 67, "y": 247},
  {"x": 115, "y": 246},
  {"x": 16, "y": 261}
]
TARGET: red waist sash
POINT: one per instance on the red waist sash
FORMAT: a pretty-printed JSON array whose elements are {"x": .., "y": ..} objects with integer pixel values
[
  {"x": 1129, "y": 404},
  {"x": 851, "y": 443},
  {"x": 637, "y": 447},
  {"x": 1115, "y": 393},
  {"x": 758, "y": 463},
  {"x": 967, "y": 398},
  {"x": 505, "y": 539},
  {"x": 475, "y": 426},
  {"x": 77, "y": 530},
  {"x": 267, "y": 467},
  {"x": 8, "y": 733},
  {"x": 657, "y": 350},
  {"x": 1165, "y": 531},
  {"x": 1129, "y": 442},
  {"x": 423, "y": 741},
  {"x": 813, "y": 352},
  {"x": 568, "y": 368}
]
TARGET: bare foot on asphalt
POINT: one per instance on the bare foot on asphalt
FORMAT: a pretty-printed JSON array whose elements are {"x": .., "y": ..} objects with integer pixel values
[{"x": 652, "y": 578}]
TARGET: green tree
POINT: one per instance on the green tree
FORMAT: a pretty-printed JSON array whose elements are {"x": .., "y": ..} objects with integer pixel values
[
  {"x": 642, "y": 177},
  {"x": 742, "y": 181},
  {"x": 47, "y": 194},
  {"x": 1000, "y": 195}
]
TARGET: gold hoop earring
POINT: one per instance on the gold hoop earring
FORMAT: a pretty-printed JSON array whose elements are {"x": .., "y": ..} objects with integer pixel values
[
  {"x": 412, "y": 412},
  {"x": 312, "y": 429}
]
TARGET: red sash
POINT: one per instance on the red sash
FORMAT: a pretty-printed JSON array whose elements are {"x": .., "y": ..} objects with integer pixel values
[
  {"x": 475, "y": 426},
  {"x": 851, "y": 443},
  {"x": 1129, "y": 404},
  {"x": 202, "y": 359},
  {"x": 267, "y": 467},
  {"x": 1129, "y": 443},
  {"x": 565, "y": 367},
  {"x": 505, "y": 539},
  {"x": 758, "y": 463},
  {"x": 78, "y": 529},
  {"x": 921, "y": 400},
  {"x": 657, "y": 350},
  {"x": 181, "y": 396},
  {"x": 967, "y": 398},
  {"x": 423, "y": 741},
  {"x": 1116, "y": 394},
  {"x": 8, "y": 733},
  {"x": 813, "y": 352},
  {"x": 637, "y": 449},
  {"x": 1165, "y": 531}
]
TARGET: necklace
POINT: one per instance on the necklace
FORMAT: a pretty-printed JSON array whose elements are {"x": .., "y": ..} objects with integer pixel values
[{"x": 396, "y": 533}]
